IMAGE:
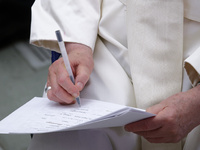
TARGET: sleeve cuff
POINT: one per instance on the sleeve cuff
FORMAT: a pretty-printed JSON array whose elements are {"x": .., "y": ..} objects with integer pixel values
[
  {"x": 192, "y": 67},
  {"x": 77, "y": 21}
]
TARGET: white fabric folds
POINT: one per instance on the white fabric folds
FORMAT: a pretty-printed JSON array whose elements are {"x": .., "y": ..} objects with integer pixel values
[{"x": 155, "y": 39}]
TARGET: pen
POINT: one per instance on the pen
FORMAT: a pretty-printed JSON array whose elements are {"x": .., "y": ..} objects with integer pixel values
[{"x": 66, "y": 60}]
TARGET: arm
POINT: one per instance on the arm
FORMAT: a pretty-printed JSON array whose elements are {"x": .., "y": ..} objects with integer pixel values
[
  {"x": 78, "y": 21},
  {"x": 175, "y": 118},
  {"x": 178, "y": 114},
  {"x": 63, "y": 90}
]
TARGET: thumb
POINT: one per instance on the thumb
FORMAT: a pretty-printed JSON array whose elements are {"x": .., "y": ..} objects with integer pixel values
[
  {"x": 155, "y": 109},
  {"x": 82, "y": 77}
]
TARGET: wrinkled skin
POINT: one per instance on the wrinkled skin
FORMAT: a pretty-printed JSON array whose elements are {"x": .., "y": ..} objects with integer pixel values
[
  {"x": 63, "y": 90},
  {"x": 175, "y": 117}
]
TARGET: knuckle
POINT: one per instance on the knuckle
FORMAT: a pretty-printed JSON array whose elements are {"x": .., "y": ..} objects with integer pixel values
[
  {"x": 71, "y": 90},
  {"x": 61, "y": 79},
  {"x": 50, "y": 68}
]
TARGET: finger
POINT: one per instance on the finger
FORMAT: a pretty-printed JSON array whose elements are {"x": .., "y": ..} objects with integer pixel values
[
  {"x": 150, "y": 134},
  {"x": 155, "y": 109},
  {"x": 163, "y": 140},
  {"x": 50, "y": 94},
  {"x": 57, "y": 93},
  {"x": 157, "y": 133},
  {"x": 165, "y": 132},
  {"x": 53, "y": 97},
  {"x": 160, "y": 135},
  {"x": 82, "y": 76},
  {"x": 148, "y": 124},
  {"x": 65, "y": 82},
  {"x": 144, "y": 125}
]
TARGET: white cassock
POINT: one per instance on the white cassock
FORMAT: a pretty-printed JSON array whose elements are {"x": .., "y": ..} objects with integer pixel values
[{"x": 101, "y": 25}]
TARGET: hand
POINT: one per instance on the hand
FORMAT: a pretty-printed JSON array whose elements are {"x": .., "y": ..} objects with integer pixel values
[
  {"x": 62, "y": 89},
  {"x": 175, "y": 118}
]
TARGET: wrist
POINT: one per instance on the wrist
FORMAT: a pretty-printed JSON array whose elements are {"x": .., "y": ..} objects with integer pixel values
[{"x": 72, "y": 46}]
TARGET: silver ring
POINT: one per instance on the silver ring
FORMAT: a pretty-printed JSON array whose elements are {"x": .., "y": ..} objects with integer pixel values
[{"x": 47, "y": 88}]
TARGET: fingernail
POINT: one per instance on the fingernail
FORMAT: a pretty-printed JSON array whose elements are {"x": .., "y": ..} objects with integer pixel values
[
  {"x": 75, "y": 95},
  {"x": 80, "y": 85}
]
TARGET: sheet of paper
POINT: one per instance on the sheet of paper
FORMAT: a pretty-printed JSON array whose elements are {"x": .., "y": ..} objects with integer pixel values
[
  {"x": 126, "y": 116},
  {"x": 41, "y": 115}
]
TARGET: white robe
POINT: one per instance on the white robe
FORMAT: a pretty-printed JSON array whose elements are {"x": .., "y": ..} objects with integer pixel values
[{"x": 101, "y": 25}]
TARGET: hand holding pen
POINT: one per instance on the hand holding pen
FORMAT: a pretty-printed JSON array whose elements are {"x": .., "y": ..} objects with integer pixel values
[{"x": 63, "y": 90}]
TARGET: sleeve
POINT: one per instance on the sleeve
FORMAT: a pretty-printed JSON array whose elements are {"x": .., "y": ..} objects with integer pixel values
[
  {"x": 191, "y": 9},
  {"x": 192, "y": 63},
  {"x": 192, "y": 66},
  {"x": 76, "y": 19}
]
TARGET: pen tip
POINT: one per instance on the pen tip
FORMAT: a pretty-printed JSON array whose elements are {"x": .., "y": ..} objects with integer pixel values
[{"x": 78, "y": 101}]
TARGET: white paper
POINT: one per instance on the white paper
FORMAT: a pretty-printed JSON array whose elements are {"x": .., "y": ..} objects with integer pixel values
[{"x": 41, "y": 115}]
